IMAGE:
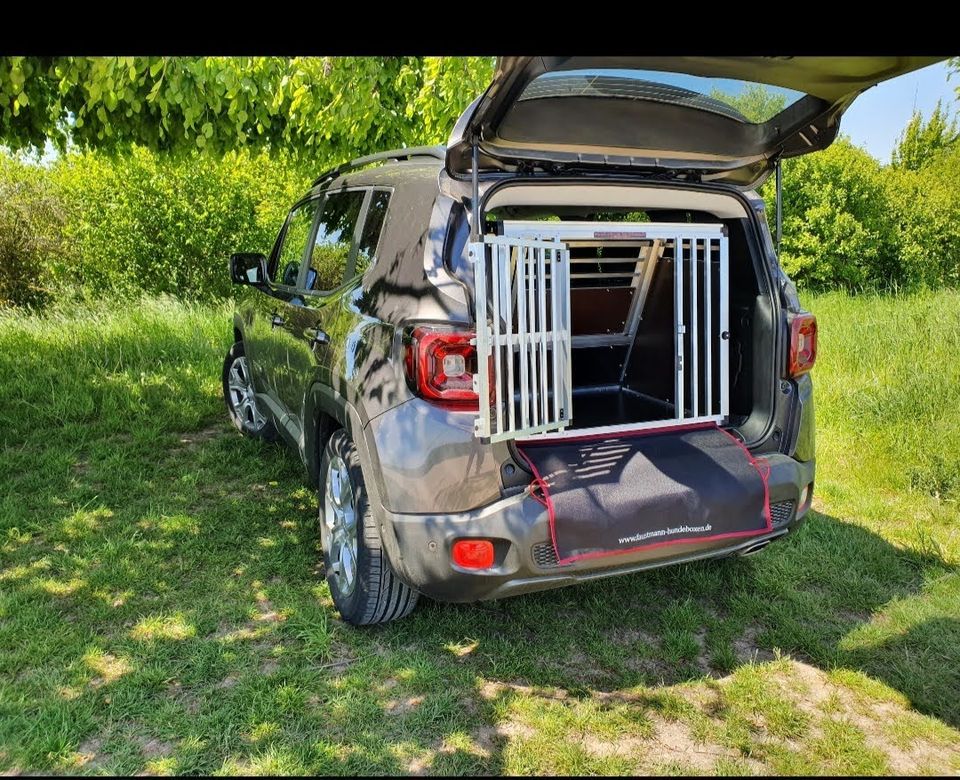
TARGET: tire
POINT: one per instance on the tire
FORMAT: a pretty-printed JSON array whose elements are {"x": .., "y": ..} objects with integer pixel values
[
  {"x": 374, "y": 594},
  {"x": 238, "y": 396}
]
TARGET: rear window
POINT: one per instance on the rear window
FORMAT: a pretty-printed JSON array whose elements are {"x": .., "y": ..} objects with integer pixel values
[
  {"x": 370, "y": 237},
  {"x": 334, "y": 238},
  {"x": 745, "y": 101}
]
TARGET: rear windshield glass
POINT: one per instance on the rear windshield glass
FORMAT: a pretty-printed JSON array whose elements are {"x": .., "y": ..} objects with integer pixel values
[{"x": 745, "y": 101}]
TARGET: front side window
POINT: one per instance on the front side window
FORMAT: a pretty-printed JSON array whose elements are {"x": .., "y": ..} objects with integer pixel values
[
  {"x": 372, "y": 227},
  {"x": 295, "y": 238},
  {"x": 334, "y": 239}
]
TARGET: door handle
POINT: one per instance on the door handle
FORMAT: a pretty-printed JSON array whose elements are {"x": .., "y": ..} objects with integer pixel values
[
  {"x": 316, "y": 336},
  {"x": 276, "y": 320}
]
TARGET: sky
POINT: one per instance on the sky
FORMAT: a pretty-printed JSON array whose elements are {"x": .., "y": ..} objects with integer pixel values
[{"x": 876, "y": 117}]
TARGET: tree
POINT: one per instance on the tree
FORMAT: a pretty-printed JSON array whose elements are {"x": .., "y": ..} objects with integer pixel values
[
  {"x": 756, "y": 102},
  {"x": 322, "y": 107},
  {"x": 921, "y": 141}
]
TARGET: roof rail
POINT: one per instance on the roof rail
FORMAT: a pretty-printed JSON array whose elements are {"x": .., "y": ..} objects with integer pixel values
[{"x": 437, "y": 152}]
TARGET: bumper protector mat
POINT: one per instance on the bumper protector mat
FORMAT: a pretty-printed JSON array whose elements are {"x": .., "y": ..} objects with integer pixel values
[{"x": 616, "y": 494}]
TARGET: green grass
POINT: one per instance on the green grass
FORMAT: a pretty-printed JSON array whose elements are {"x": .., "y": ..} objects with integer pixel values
[{"x": 162, "y": 610}]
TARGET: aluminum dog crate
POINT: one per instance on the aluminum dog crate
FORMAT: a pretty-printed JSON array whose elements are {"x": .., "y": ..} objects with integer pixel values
[{"x": 525, "y": 342}]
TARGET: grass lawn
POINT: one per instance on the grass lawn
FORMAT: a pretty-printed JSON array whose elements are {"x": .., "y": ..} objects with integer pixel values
[{"x": 162, "y": 609}]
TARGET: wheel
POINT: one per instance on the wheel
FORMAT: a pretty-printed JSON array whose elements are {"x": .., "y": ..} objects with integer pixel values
[
  {"x": 240, "y": 398},
  {"x": 364, "y": 587}
]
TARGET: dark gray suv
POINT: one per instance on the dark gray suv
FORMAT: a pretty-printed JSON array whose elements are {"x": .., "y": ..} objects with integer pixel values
[{"x": 560, "y": 347}]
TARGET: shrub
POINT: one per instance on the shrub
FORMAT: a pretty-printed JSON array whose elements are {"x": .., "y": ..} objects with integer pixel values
[
  {"x": 925, "y": 213},
  {"x": 138, "y": 222},
  {"x": 149, "y": 222},
  {"x": 837, "y": 230},
  {"x": 31, "y": 220}
]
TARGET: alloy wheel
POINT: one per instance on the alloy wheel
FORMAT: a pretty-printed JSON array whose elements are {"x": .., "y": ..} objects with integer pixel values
[
  {"x": 340, "y": 519},
  {"x": 242, "y": 396}
]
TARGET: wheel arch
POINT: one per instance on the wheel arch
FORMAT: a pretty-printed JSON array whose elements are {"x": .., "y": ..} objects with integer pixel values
[
  {"x": 237, "y": 327},
  {"x": 328, "y": 411}
]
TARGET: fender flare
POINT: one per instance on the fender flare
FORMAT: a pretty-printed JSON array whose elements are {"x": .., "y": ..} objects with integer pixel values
[{"x": 327, "y": 409}]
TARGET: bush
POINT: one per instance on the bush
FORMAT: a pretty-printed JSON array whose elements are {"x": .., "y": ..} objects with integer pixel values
[
  {"x": 31, "y": 221},
  {"x": 837, "y": 230},
  {"x": 140, "y": 222},
  {"x": 926, "y": 216},
  {"x": 148, "y": 222}
]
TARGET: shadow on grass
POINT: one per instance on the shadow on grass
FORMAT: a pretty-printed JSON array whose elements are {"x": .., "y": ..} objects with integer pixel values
[
  {"x": 163, "y": 607},
  {"x": 822, "y": 596}
]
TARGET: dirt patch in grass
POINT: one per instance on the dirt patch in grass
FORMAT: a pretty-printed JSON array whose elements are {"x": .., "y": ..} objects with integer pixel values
[
  {"x": 153, "y": 748},
  {"x": 404, "y": 706},
  {"x": 747, "y": 650},
  {"x": 88, "y": 753},
  {"x": 579, "y": 667},
  {"x": 822, "y": 699},
  {"x": 629, "y": 637},
  {"x": 491, "y": 689},
  {"x": 193, "y": 439}
]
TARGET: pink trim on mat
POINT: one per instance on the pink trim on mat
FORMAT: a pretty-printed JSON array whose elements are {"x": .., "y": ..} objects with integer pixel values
[
  {"x": 764, "y": 476},
  {"x": 547, "y": 501},
  {"x": 551, "y": 513}
]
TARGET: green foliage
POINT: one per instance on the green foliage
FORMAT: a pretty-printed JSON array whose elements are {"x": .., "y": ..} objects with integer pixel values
[
  {"x": 321, "y": 108},
  {"x": 31, "y": 222},
  {"x": 139, "y": 222},
  {"x": 922, "y": 140},
  {"x": 836, "y": 228},
  {"x": 925, "y": 212},
  {"x": 756, "y": 102}
]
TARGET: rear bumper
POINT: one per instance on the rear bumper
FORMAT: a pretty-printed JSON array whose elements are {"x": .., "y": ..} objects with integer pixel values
[{"x": 524, "y": 562}]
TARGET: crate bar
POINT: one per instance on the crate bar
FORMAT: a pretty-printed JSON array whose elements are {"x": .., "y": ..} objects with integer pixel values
[
  {"x": 580, "y": 233},
  {"x": 522, "y": 333},
  {"x": 565, "y": 335},
  {"x": 708, "y": 325},
  {"x": 679, "y": 408},
  {"x": 531, "y": 354},
  {"x": 498, "y": 295},
  {"x": 554, "y": 315},
  {"x": 724, "y": 332},
  {"x": 508, "y": 398},
  {"x": 478, "y": 255},
  {"x": 694, "y": 331},
  {"x": 619, "y": 428},
  {"x": 542, "y": 304}
]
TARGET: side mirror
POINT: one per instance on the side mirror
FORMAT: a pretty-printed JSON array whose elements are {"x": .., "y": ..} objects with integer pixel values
[{"x": 248, "y": 268}]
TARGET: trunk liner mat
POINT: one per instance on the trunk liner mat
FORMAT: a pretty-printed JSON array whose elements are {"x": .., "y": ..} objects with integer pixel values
[{"x": 614, "y": 494}]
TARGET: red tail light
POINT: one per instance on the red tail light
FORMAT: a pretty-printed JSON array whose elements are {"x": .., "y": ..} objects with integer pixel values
[
  {"x": 803, "y": 343},
  {"x": 441, "y": 365}
]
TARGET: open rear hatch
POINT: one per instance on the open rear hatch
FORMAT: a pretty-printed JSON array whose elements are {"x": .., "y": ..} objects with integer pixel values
[
  {"x": 719, "y": 118},
  {"x": 675, "y": 476}
]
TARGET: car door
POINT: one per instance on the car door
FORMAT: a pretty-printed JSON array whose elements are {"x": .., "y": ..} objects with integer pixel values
[
  {"x": 269, "y": 335},
  {"x": 311, "y": 316}
]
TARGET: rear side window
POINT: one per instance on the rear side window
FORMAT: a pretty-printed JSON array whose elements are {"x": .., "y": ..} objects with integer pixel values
[
  {"x": 295, "y": 238},
  {"x": 331, "y": 246},
  {"x": 372, "y": 228}
]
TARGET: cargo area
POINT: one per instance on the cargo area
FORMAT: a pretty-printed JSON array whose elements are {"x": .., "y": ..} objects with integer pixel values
[{"x": 668, "y": 325}]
